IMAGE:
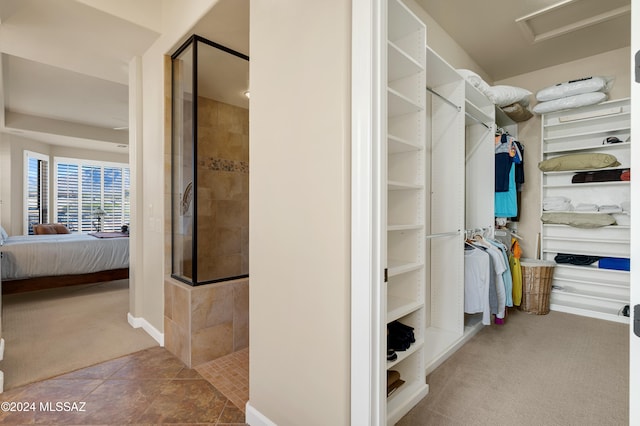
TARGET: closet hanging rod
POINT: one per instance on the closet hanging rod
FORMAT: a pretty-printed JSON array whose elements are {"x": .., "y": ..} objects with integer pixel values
[
  {"x": 442, "y": 234},
  {"x": 429, "y": 89},
  {"x": 474, "y": 118}
]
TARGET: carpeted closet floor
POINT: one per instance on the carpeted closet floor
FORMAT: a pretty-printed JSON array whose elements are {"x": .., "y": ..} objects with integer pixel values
[{"x": 536, "y": 370}]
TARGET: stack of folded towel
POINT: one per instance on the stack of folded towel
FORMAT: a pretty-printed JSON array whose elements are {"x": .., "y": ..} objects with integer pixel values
[{"x": 559, "y": 204}]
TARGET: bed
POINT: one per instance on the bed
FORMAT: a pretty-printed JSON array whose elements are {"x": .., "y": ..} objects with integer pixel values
[{"x": 36, "y": 262}]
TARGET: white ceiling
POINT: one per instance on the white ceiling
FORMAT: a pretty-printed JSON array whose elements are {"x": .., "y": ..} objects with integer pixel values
[
  {"x": 488, "y": 32},
  {"x": 64, "y": 63}
]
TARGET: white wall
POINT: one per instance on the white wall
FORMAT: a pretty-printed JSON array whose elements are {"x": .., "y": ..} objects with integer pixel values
[
  {"x": 300, "y": 211},
  {"x": 614, "y": 63},
  {"x": 148, "y": 147}
]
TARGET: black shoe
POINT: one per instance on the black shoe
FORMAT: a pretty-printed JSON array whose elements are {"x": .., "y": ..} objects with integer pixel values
[{"x": 391, "y": 355}]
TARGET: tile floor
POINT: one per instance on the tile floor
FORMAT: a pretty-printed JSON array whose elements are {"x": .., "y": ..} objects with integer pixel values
[
  {"x": 230, "y": 375},
  {"x": 148, "y": 387}
]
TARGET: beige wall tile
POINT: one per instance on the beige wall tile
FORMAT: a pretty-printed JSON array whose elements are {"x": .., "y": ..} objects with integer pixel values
[
  {"x": 211, "y": 343},
  {"x": 211, "y": 305}
]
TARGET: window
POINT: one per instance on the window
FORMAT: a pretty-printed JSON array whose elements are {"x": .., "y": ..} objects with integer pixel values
[
  {"x": 91, "y": 196},
  {"x": 36, "y": 190}
]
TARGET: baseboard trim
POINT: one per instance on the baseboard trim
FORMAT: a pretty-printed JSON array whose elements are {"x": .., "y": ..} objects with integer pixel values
[
  {"x": 254, "y": 417},
  {"x": 137, "y": 322}
]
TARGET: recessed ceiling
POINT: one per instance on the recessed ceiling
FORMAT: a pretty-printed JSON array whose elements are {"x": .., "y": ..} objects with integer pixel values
[
  {"x": 65, "y": 64},
  {"x": 489, "y": 33}
]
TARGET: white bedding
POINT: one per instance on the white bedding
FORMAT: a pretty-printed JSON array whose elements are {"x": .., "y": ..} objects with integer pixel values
[{"x": 28, "y": 256}]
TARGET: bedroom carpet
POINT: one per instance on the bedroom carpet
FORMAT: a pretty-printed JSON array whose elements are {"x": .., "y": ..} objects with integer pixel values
[
  {"x": 51, "y": 332},
  {"x": 536, "y": 370}
]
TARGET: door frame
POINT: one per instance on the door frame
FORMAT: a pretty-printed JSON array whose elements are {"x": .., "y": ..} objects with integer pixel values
[
  {"x": 634, "y": 341},
  {"x": 367, "y": 256}
]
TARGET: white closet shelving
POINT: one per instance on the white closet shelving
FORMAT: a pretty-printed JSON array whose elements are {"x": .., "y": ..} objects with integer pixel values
[
  {"x": 588, "y": 290},
  {"x": 405, "y": 200},
  {"x": 460, "y": 152}
]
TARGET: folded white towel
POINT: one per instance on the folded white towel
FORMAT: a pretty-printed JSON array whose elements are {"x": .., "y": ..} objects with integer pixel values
[
  {"x": 586, "y": 207},
  {"x": 610, "y": 208},
  {"x": 557, "y": 204}
]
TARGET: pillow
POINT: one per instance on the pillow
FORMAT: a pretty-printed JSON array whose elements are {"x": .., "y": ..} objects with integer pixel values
[
  {"x": 475, "y": 80},
  {"x": 575, "y": 87},
  {"x": 578, "y": 162},
  {"x": 579, "y": 220},
  {"x": 517, "y": 112},
  {"x": 50, "y": 228},
  {"x": 570, "y": 102},
  {"x": 507, "y": 95},
  {"x": 3, "y": 235},
  {"x": 60, "y": 228}
]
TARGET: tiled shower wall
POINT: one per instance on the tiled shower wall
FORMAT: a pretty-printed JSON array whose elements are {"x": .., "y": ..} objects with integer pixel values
[
  {"x": 205, "y": 322},
  {"x": 223, "y": 190}
]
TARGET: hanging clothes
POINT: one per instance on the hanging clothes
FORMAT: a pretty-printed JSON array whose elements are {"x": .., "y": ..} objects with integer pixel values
[
  {"x": 516, "y": 271},
  {"x": 477, "y": 282},
  {"x": 507, "y": 155}
]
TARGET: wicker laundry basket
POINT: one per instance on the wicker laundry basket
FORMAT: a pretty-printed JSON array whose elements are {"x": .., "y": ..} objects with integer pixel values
[{"x": 536, "y": 285}]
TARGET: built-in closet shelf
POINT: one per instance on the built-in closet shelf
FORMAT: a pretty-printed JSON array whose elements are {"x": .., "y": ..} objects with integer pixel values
[
  {"x": 570, "y": 172},
  {"x": 592, "y": 295},
  {"x": 410, "y": 393},
  {"x": 588, "y": 240},
  {"x": 398, "y": 307},
  {"x": 397, "y": 267},
  {"x": 589, "y": 252},
  {"x": 477, "y": 113},
  {"x": 400, "y": 104},
  {"x": 440, "y": 72},
  {"x": 394, "y": 228},
  {"x": 584, "y": 135},
  {"x": 588, "y": 184},
  {"x": 583, "y": 121},
  {"x": 569, "y": 304},
  {"x": 578, "y": 268},
  {"x": 588, "y": 290},
  {"x": 569, "y": 282},
  {"x": 398, "y": 145},
  {"x": 600, "y": 147},
  {"x": 402, "y": 355},
  {"x": 401, "y": 186},
  {"x": 402, "y": 64},
  {"x": 404, "y": 170}
]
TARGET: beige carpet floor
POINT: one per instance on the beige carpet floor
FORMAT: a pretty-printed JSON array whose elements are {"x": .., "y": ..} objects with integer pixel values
[
  {"x": 56, "y": 331},
  {"x": 538, "y": 370}
]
